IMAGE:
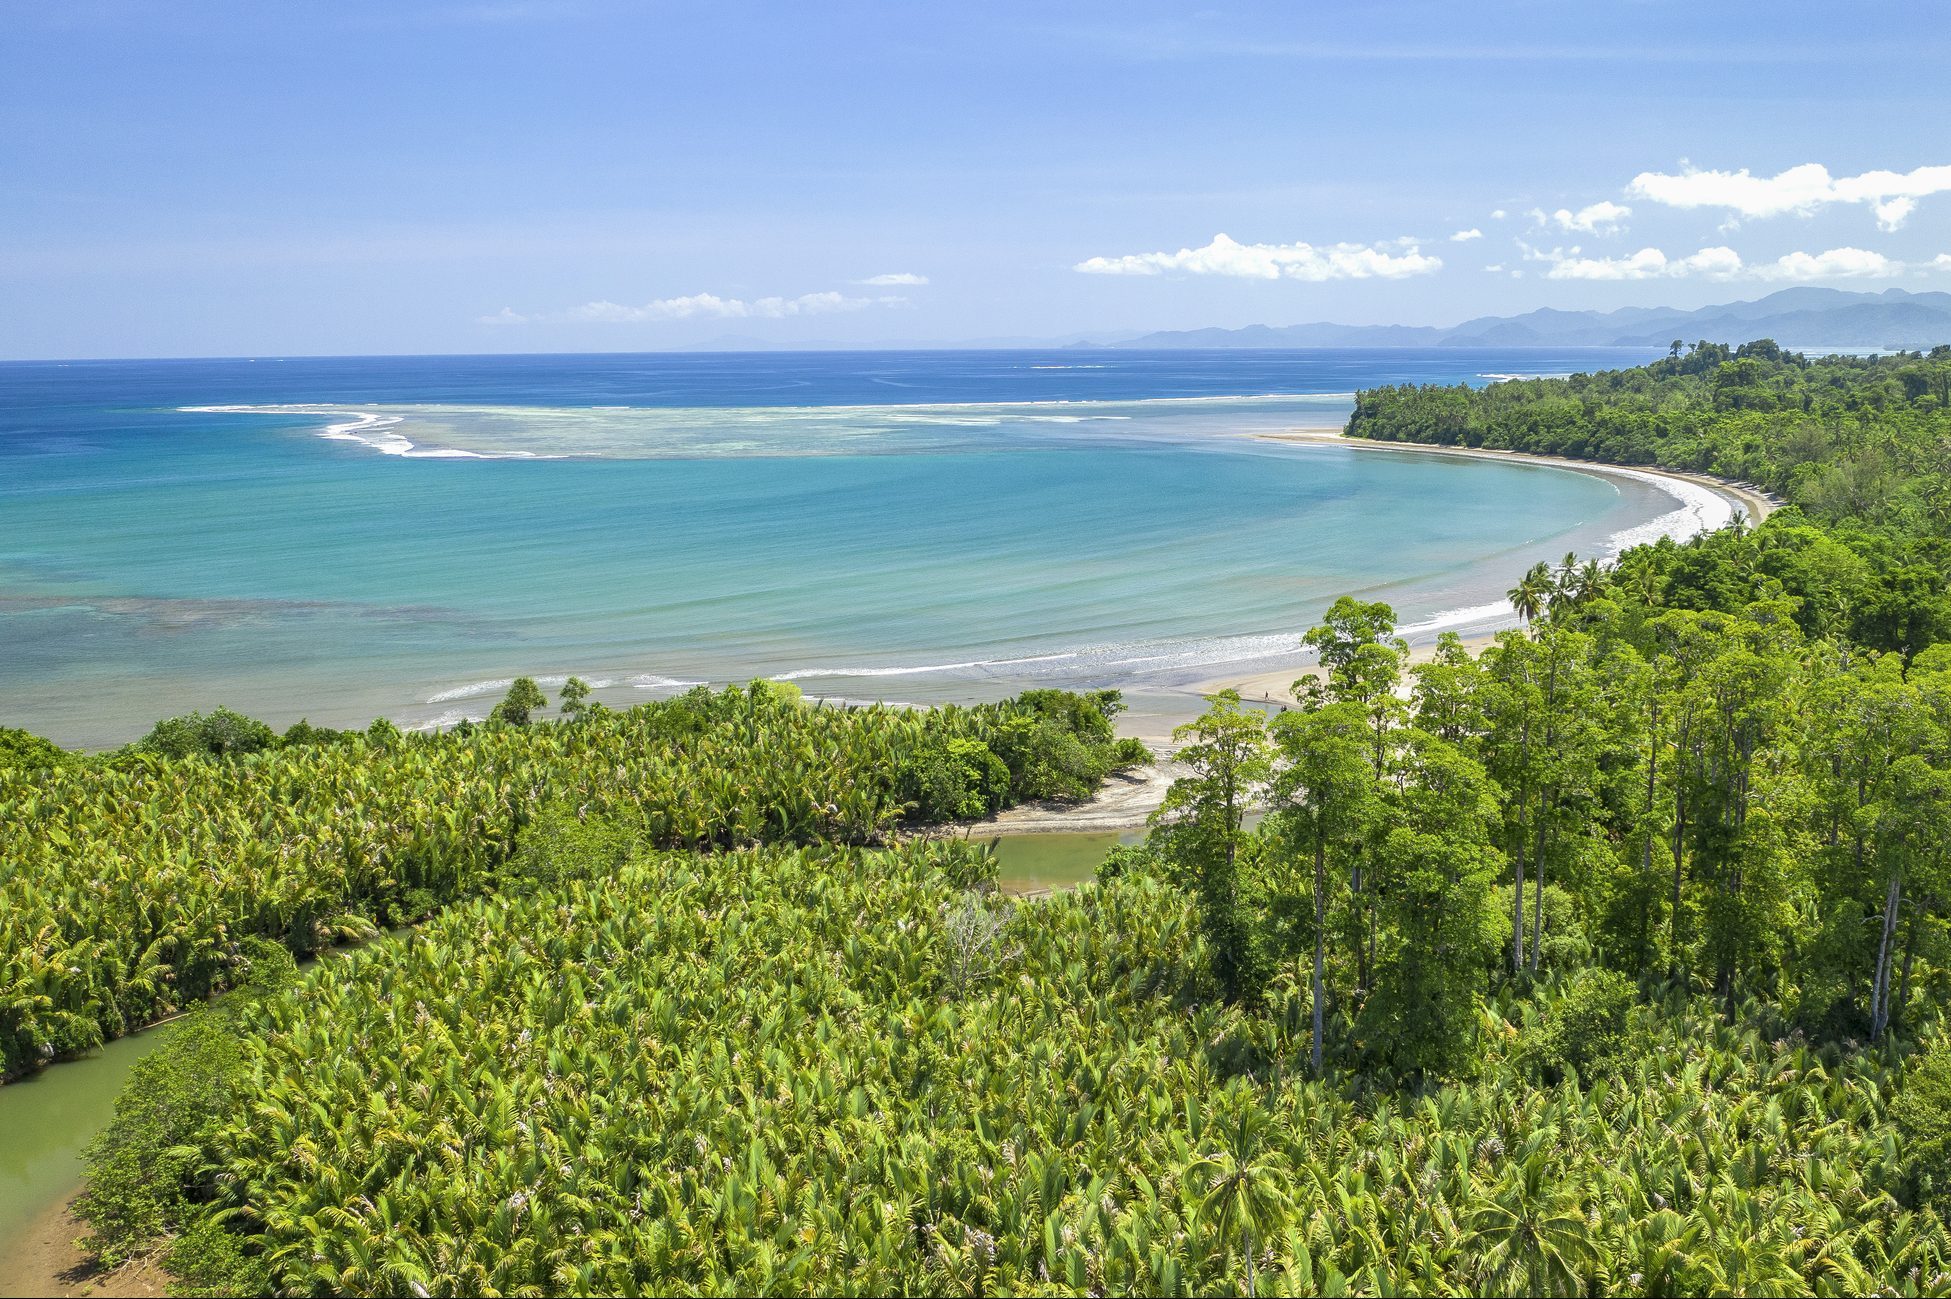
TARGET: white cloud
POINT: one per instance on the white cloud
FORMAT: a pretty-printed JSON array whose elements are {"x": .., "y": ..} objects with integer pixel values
[
  {"x": 1837, "y": 263},
  {"x": 1799, "y": 190},
  {"x": 1941, "y": 262},
  {"x": 1646, "y": 264},
  {"x": 901, "y": 278},
  {"x": 1297, "y": 261},
  {"x": 1465, "y": 236},
  {"x": 1892, "y": 213},
  {"x": 1498, "y": 266},
  {"x": 1498, "y": 215},
  {"x": 1719, "y": 263},
  {"x": 708, "y": 305},
  {"x": 1597, "y": 219}
]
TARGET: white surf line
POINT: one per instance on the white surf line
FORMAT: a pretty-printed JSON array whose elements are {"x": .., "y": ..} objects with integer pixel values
[{"x": 366, "y": 428}]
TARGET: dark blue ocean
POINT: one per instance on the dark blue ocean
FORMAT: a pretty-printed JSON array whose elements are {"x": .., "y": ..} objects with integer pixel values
[{"x": 340, "y": 538}]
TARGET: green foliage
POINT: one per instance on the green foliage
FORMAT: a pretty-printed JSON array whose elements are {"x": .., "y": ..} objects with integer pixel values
[
  {"x": 1133, "y": 861},
  {"x": 1228, "y": 753},
  {"x": 740, "y": 1073},
  {"x": 575, "y": 698},
  {"x": 523, "y": 699},
  {"x": 1584, "y": 1028},
  {"x": 141, "y": 1165},
  {"x": 145, "y": 1170},
  {"x": 302, "y": 732},
  {"x": 957, "y": 779},
  {"x": 130, "y": 884},
  {"x": 221, "y": 734},
  {"x": 26, "y": 751},
  {"x": 1922, "y": 1117}
]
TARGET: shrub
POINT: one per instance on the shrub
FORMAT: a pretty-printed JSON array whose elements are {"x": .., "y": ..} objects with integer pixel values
[
  {"x": 1585, "y": 1026},
  {"x": 302, "y": 733},
  {"x": 145, "y": 1173},
  {"x": 523, "y": 698},
  {"x": 30, "y": 752},
  {"x": 953, "y": 780},
  {"x": 222, "y": 734},
  {"x": 1922, "y": 1114}
]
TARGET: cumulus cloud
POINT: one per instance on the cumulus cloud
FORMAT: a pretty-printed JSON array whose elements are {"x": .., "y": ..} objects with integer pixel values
[
  {"x": 1719, "y": 263},
  {"x": 1498, "y": 215},
  {"x": 1646, "y": 264},
  {"x": 506, "y": 316},
  {"x": 1801, "y": 190},
  {"x": 1837, "y": 263},
  {"x": 907, "y": 279},
  {"x": 1465, "y": 236},
  {"x": 1297, "y": 261},
  {"x": 1941, "y": 262},
  {"x": 1597, "y": 219}
]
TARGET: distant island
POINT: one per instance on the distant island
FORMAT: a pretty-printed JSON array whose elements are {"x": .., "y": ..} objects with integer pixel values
[{"x": 1807, "y": 318}]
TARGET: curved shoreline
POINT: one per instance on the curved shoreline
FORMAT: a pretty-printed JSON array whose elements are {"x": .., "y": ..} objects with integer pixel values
[
  {"x": 1271, "y": 687},
  {"x": 1754, "y": 502}
]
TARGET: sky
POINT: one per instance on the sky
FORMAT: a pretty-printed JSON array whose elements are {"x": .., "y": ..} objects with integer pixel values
[{"x": 215, "y": 178}]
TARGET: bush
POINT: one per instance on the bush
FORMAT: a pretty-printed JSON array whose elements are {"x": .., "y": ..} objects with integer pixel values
[
  {"x": 302, "y": 734},
  {"x": 523, "y": 698},
  {"x": 222, "y": 734},
  {"x": 30, "y": 752},
  {"x": 144, "y": 1172},
  {"x": 1045, "y": 760},
  {"x": 1131, "y": 861},
  {"x": 1922, "y": 1115},
  {"x": 1584, "y": 1028},
  {"x": 561, "y": 845},
  {"x": 953, "y": 780}
]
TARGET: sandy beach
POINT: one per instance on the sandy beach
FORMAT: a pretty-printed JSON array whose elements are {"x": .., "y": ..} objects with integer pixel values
[{"x": 1273, "y": 686}]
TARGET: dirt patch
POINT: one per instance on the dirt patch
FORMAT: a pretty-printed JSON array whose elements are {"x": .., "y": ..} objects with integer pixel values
[
  {"x": 1124, "y": 802},
  {"x": 46, "y": 1261}
]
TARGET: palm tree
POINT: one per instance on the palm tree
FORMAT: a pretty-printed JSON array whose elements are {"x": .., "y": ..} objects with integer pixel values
[
  {"x": 1591, "y": 581},
  {"x": 1529, "y": 596},
  {"x": 1243, "y": 1184},
  {"x": 1534, "y": 1233}
]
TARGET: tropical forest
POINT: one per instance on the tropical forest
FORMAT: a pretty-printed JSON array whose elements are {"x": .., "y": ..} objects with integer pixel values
[{"x": 1608, "y": 957}]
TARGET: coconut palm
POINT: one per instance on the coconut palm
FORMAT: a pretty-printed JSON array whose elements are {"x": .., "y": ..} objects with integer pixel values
[
  {"x": 1243, "y": 1185},
  {"x": 1531, "y": 595}
]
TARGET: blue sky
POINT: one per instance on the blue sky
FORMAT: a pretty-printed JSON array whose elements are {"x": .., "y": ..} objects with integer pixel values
[{"x": 203, "y": 178}]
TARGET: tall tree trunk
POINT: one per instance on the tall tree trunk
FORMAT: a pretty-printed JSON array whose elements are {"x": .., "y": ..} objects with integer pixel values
[
  {"x": 1880, "y": 990},
  {"x": 1679, "y": 837},
  {"x": 1910, "y": 952},
  {"x": 1538, "y": 886},
  {"x": 1320, "y": 943},
  {"x": 1646, "y": 842},
  {"x": 1517, "y": 904}
]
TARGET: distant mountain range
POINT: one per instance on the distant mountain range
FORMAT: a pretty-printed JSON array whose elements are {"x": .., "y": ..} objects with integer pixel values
[{"x": 1805, "y": 319}]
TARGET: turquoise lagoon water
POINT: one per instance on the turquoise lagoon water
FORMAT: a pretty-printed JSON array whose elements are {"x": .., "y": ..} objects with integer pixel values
[{"x": 340, "y": 539}]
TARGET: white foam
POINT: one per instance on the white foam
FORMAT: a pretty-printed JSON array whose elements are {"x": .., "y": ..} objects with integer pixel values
[
  {"x": 651, "y": 681},
  {"x": 367, "y": 428},
  {"x": 499, "y": 685},
  {"x": 1702, "y": 509},
  {"x": 925, "y": 669}
]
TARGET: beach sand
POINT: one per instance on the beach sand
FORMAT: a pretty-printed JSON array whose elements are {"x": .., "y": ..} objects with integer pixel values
[{"x": 1272, "y": 686}]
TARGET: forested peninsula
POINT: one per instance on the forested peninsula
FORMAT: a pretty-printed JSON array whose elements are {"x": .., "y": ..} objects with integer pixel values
[{"x": 1608, "y": 960}]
